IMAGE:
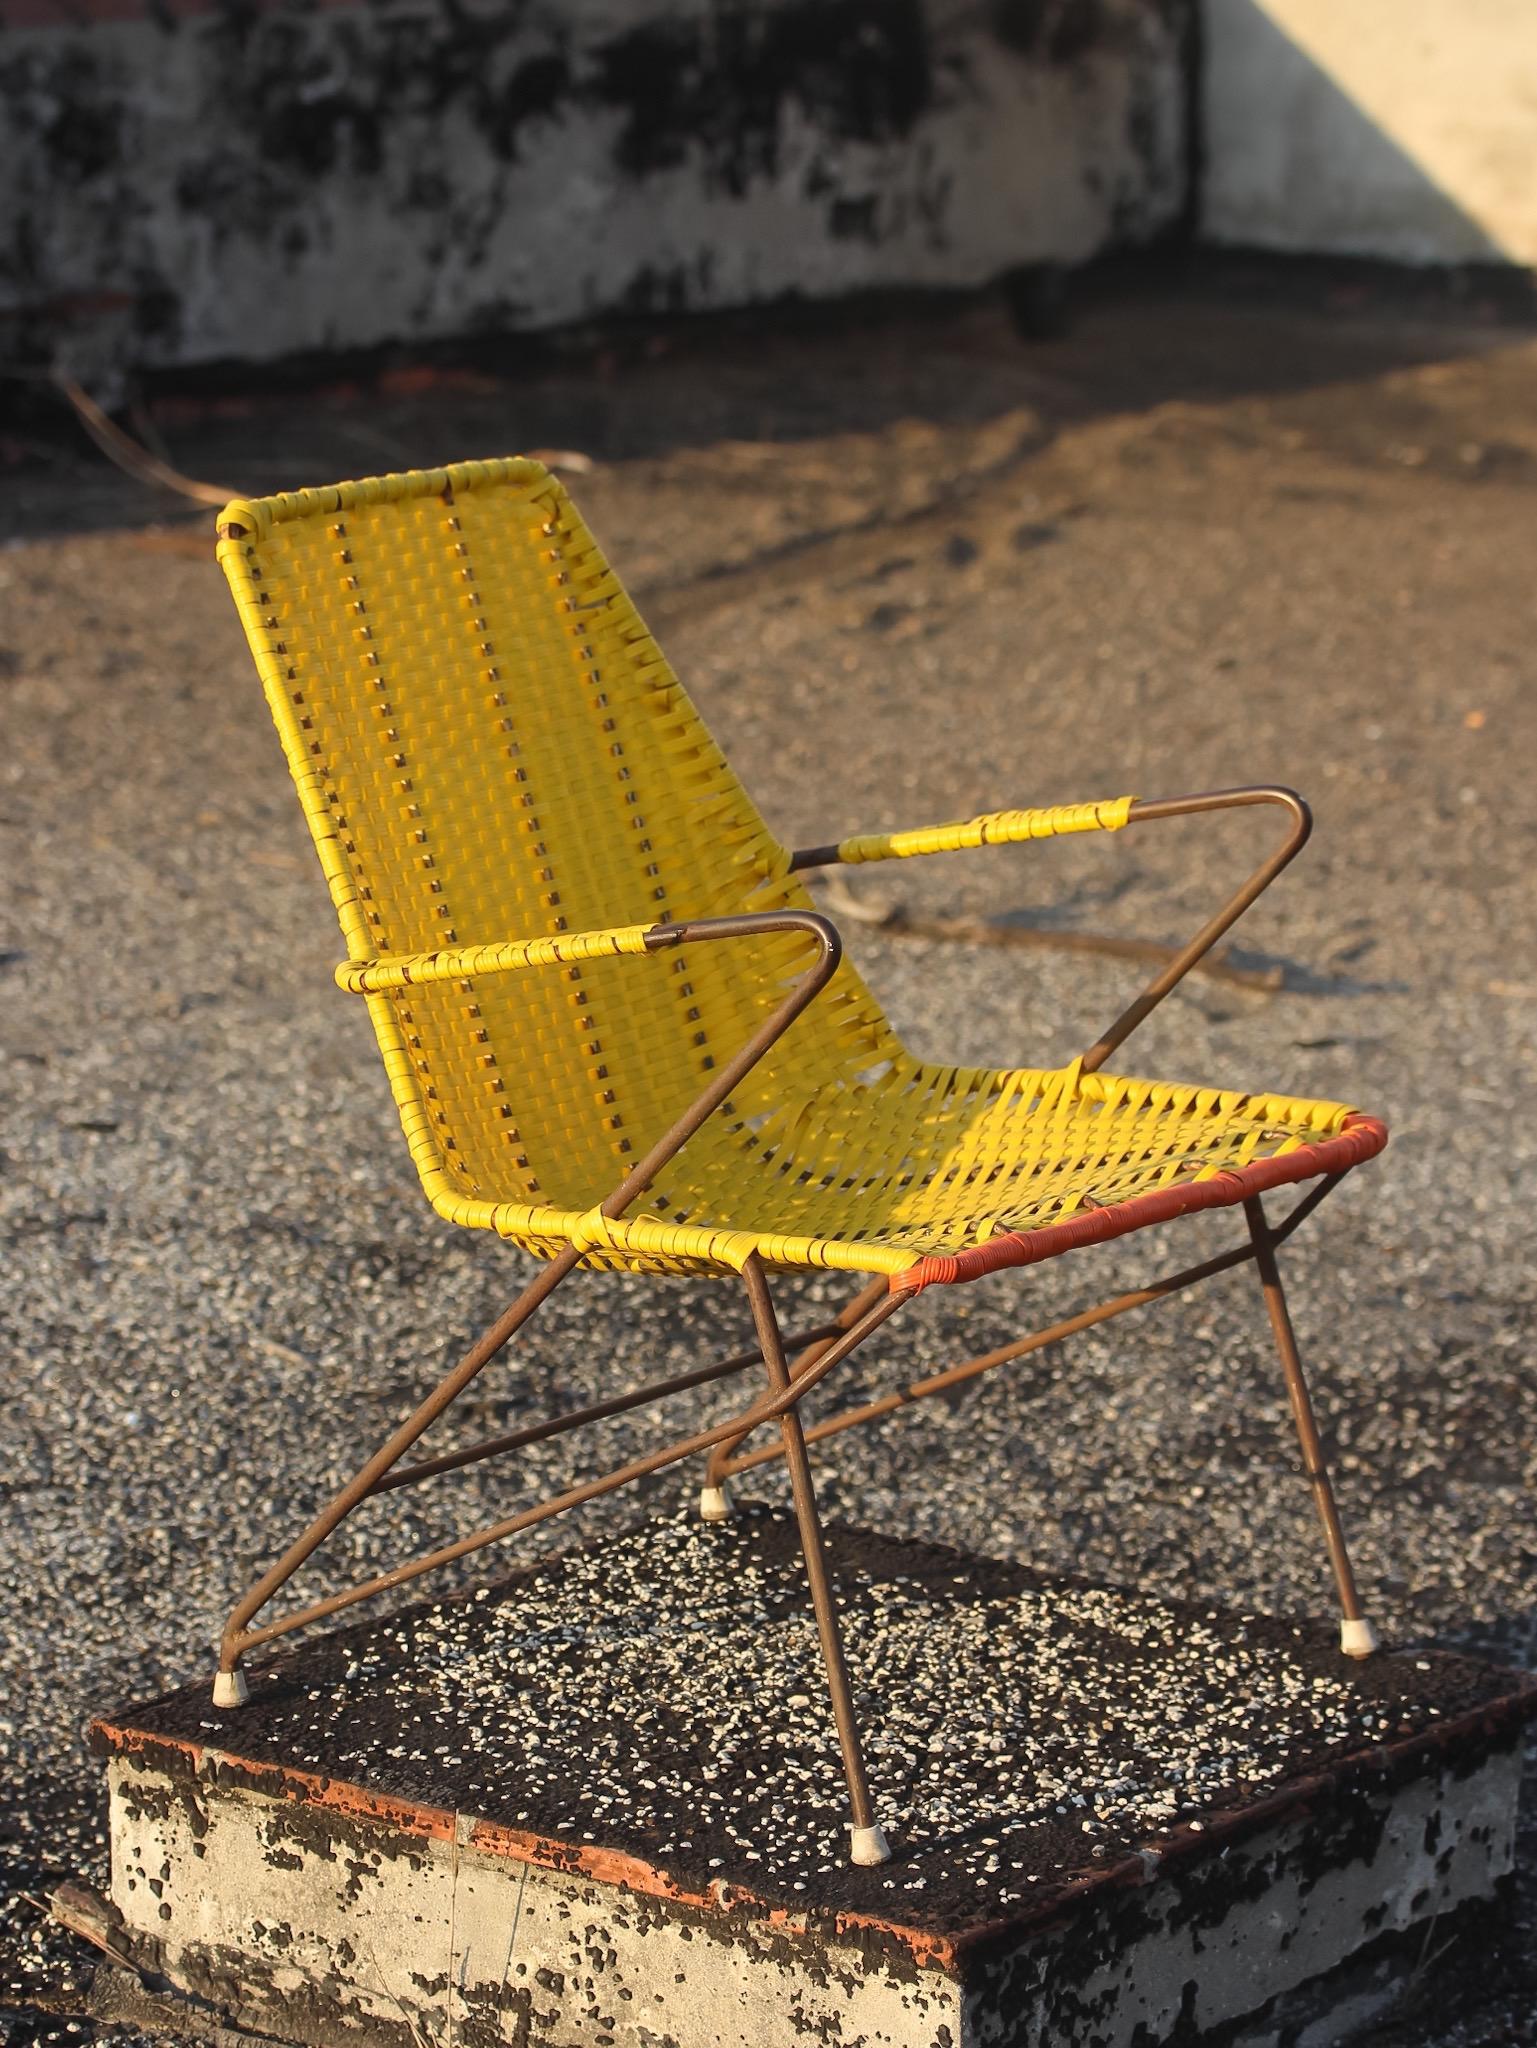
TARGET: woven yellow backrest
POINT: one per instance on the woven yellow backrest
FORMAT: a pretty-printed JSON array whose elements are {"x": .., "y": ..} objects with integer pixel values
[{"x": 489, "y": 745}]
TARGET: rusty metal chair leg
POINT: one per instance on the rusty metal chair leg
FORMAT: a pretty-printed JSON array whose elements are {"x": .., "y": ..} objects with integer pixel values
[
  {"x": 715, "y": 1494},
  {"x": 1357, "y": 1636},
  {"x": 229, "y": 1686},
  {"x": 868, "y": 1842}
]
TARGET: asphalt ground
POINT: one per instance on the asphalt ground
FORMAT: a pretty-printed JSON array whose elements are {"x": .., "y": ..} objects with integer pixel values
[{"x": 909, "y": 569}]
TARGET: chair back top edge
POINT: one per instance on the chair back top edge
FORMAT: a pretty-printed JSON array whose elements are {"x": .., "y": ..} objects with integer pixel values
[{"x": 260, "y": 515}]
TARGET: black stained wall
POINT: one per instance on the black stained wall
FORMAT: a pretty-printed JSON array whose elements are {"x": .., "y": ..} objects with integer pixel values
[{"x": 195, "y": 180}]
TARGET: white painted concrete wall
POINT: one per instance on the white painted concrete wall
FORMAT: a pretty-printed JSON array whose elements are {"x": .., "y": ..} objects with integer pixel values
[
  {"x": 1404, "y": 129},
  {"x": 317, "y": 1920},
  {"x": 257, "y": 181}
]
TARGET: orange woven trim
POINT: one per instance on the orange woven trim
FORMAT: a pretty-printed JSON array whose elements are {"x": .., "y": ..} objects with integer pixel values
[{"x": 1359, "y": 1138}]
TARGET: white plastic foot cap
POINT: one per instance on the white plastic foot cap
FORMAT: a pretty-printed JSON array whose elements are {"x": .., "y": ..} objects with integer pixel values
[
  {"x": 869, "y": 1845},
  {"x": 230, "y": 1689},
  {"x": 714, "y": 1504},
  {"x": 1357, "y": 1638}
]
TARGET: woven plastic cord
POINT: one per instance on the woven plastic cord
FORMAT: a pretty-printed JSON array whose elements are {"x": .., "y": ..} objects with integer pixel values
[
  {"x": 1360, "y": 1138},
  {"x": 994, "y": 828},
  {"x": 508, "y": 787}
]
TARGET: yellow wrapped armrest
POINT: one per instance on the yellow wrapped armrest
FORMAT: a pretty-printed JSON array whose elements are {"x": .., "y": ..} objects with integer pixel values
[
  {"x": 993, "y": 828},
  {"x": 462, "y": 963}
]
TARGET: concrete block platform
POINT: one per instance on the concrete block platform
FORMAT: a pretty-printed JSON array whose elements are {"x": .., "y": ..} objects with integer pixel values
[{"x": 600, "y": 1803}]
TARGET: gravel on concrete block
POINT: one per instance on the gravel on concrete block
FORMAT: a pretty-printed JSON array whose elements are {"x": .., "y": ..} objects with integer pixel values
[{"x": 662, "y": 1693}]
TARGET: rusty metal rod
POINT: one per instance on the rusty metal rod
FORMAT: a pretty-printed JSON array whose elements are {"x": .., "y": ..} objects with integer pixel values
[
  {"x": 1300, "y": 1211},
  {"x": 736, "y": 1069},
  {"x": 725, "y": 1465},
  {"x": 812, "y": 1546},
  {"x": 717, "y": 1468},
  {"x": 765, "y": 1409},
  {"x": 1313, "y": 1460},
  {"x": 235, "y": 1634},
  {"x": 1148, "y": 812},
  {"x": 556, "y": 1425},
  {"x": 971, "y": 1368}
]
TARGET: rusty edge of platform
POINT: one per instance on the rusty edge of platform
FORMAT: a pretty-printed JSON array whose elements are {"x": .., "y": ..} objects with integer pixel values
[{"x": 1387, "y": 1763}]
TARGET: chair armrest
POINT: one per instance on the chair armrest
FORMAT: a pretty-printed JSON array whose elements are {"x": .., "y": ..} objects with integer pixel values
[
  {"x": 992, "y": 828},
  {"x": 1145, "y": 812},
  {"x": 1002, "y": 828},
  {"x": 408, "y": 970},
  {"x": 460, "y": 963}
]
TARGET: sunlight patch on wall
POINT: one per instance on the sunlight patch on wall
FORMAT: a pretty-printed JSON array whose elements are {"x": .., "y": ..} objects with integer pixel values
[{"x": 1404, "y": 129}]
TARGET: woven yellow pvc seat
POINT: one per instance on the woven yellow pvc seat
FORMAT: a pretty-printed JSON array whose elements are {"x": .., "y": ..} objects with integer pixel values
[
  {"x": 617, "y": 1030},
  {"x": 899, "y": 1174}
]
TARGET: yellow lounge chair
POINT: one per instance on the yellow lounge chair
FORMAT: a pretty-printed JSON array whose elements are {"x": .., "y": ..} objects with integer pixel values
[{"x": 620, "y": 1035}]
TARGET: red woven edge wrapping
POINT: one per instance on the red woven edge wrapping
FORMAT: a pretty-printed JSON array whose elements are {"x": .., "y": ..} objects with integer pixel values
[{"x": 1359, "y": 1138}]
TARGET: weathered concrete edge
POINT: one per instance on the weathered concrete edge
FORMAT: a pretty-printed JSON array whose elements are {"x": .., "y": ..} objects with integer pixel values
[
  {"x": 1463, "y": 1742},
  {"x": 1358, "y": 1992},
  {"x": 1268, "y": 1925},
  {"x": 264, "y": 1958}
]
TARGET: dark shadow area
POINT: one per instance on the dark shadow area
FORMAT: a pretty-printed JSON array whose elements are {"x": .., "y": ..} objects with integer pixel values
[{"x": 1171, "y": 324}]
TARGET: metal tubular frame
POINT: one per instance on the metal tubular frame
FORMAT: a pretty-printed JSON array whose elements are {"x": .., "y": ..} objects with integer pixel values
[
  {"x": 229, "y": 1688},
  {"x": 713, "y": 1501},
  {"x": 766, "y": 1409},
  {"x": 1356, "y": 1631},
  {"x": 817, "y": 1351},
  {"x": 725, "y": 1464},
  {"x": 1147, "y": 811},
  {"x": 558, "y": 1425},
  {"x": 869, "y": 1843},
  {"x": 728, "y": 1461}
]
